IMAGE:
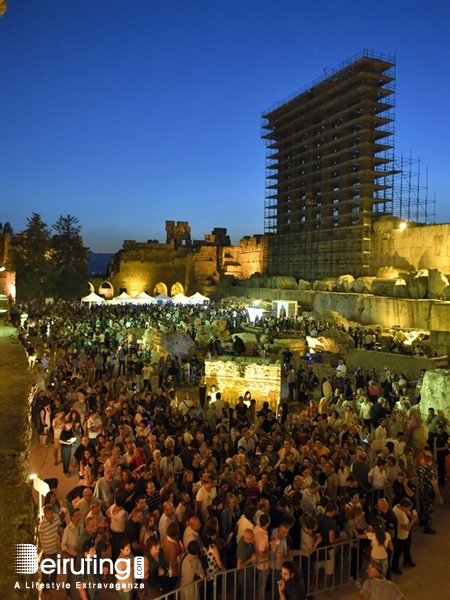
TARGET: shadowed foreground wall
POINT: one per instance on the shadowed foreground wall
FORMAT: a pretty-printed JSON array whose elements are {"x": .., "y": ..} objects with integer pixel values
[{"x": 17, "y": 509}]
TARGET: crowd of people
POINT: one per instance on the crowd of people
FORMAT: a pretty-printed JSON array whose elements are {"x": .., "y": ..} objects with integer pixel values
[{"x": 197, "y": 485}]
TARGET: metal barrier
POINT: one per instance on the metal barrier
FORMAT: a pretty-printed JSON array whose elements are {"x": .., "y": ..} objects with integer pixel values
[{"x": 324, "y": 570}]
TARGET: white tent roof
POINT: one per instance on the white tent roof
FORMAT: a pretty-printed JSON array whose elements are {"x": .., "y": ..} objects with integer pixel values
[
  {"x": 162, "y": 298},
  {"x": 92, "y": 298},
  {"x": 181, "y": 299},
  {"x": 198, "y": 298},
  {"x": 123, "y": 297},
  {"x": 143, "y": 298}
]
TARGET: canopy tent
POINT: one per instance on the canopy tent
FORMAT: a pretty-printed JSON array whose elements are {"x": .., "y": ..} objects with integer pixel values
[
  {"x": 181, "y": 299},
  {"x": 162, "y": 298},
  {"x": 260, "y": 303},
  {"x": 143, "y": 298},
  {"x": 198, "y": 298},
  {"x": 122, "y": 298},
  {"x": 92, "y": 298}
]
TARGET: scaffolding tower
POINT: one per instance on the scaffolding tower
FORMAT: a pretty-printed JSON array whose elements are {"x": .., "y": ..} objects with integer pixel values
[
  {"x": 411, "y": 202},
  {"x": 330, "y": 170}
]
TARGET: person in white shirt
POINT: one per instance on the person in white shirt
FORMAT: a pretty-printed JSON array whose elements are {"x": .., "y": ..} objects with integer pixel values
[
  {"x": 205, "y": 496},
  {"x": 263, "y": 549},
  {"x": 245, "y": 522},
  {"x": 406, "y": 518},
  {"x": 71, "y": 534},
  {"x": 167, "y": 517},
  {"x": 381, "y": 541},
  {"x": 377, "y": 476}
]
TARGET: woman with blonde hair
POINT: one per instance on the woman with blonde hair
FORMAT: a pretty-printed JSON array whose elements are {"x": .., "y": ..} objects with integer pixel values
[{"x": 228, "y": 521}]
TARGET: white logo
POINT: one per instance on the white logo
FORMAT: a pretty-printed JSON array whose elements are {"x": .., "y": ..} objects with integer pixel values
[
  {"x": 25, "y": 559},
  {"x": 25, "y": 563}
]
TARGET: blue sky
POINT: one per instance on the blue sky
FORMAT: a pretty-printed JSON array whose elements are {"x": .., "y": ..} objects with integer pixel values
[{"x": 129, "y": 113}]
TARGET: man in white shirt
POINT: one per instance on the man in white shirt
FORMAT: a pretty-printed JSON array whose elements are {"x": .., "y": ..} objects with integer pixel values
[
  {"x": 191, "y": 533},
  {"x": 263, "y": 549},
  {"x": 205, "y": 496},
  {"x": 247, "y": 442},
  {"x": 166, "y": 518},
  {"x": 406, "y": 518},
  {"x": 71, "y": 534}
]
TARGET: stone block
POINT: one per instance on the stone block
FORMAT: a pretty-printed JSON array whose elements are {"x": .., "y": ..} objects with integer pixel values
[
  {"x": 320, "y": 286},
  {"x": 437, "y": 282},
  {"x": 304, "y": 285},
  {"x": 435, "y": 392},
  {"x": 362, "y": 285},
  {"x": 418, "y": 287},
  {"x": 383, "y": 287},
  {"x": 446, "y": 293},
  {"x": 400, "y": 289},
  {"x": 282, "y": 283}
]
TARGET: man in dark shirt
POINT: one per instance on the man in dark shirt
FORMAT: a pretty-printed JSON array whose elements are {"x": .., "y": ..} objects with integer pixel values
[
  {"x": 291, "y": 585},
  {"x": 402, "y": 488},
  {"x": 152, "y": 497},
  {"x": 328, "y": 529},
  {"x": 269, "y": 422},
  {"x": 131, "y": 533},
  {"x": 442, "y": 445}
]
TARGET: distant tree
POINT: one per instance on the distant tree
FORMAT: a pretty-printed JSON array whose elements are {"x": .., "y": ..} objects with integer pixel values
[
  {"x": 31, "y": 255},
  {"x": 69, "y": 258},
  {"x": 7, "y": 228}
]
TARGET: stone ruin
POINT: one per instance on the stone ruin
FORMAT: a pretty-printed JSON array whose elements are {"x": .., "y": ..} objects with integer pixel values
[{"x": 391, "y": 282}]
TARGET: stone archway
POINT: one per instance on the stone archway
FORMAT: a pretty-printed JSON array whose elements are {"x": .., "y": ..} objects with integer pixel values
[
  {"x": 106, "y": 290},
  {"x": 160, "y": 288},
  {"x": 177, "y": 288}
]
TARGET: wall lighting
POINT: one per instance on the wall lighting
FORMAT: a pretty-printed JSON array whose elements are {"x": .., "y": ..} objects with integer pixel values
[{"x": 402, "y": 226}]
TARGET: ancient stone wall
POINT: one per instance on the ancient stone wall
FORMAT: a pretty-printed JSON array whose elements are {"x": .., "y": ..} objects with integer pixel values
[
  {"x": 140, "y": 266},
  {"x": 8, "y": 283},
  {"x": 233, "y": 376},
  {"x": 416, "y": 247},
  {"x": 408, "y": 365},
  {"x": 244, "y": 260},
  {"x": 137, "y": 276}
]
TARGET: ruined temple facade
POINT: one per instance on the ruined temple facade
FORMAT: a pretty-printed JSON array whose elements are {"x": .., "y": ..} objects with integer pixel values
[{"x": 182, "y": 264}]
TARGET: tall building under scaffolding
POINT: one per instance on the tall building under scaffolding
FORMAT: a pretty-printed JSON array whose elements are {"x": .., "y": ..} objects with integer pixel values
[{"x": 330, "y": 170}]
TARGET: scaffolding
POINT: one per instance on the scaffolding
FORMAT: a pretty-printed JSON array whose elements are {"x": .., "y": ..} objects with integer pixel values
[
  {"x": 411, "y": 202},
  {"x": 330, "y": 170}
]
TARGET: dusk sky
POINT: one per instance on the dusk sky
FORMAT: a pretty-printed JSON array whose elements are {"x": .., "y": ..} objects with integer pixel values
[{"x": 130, "y": 113}]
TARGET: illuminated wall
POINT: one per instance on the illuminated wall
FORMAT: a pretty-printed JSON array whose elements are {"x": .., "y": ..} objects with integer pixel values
[
  {"x": 233, "y": 376},
  {"x": 416, "y": 247},
  {"x": 8, "y": 283}
]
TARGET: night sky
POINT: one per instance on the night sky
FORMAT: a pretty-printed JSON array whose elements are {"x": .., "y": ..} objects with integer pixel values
[{"x": 129, "y": 113}]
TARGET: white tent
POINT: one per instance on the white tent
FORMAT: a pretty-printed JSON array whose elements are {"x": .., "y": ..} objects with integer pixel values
[
  {"x": 92, "y": 298},
  {"x": 123, "y": 298},
  {"x": 162, "y": 298},
  {"x": 198, "y": 298},
  {"x": 143, "y": 298},
  {"x": 181, "y": 299}
]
